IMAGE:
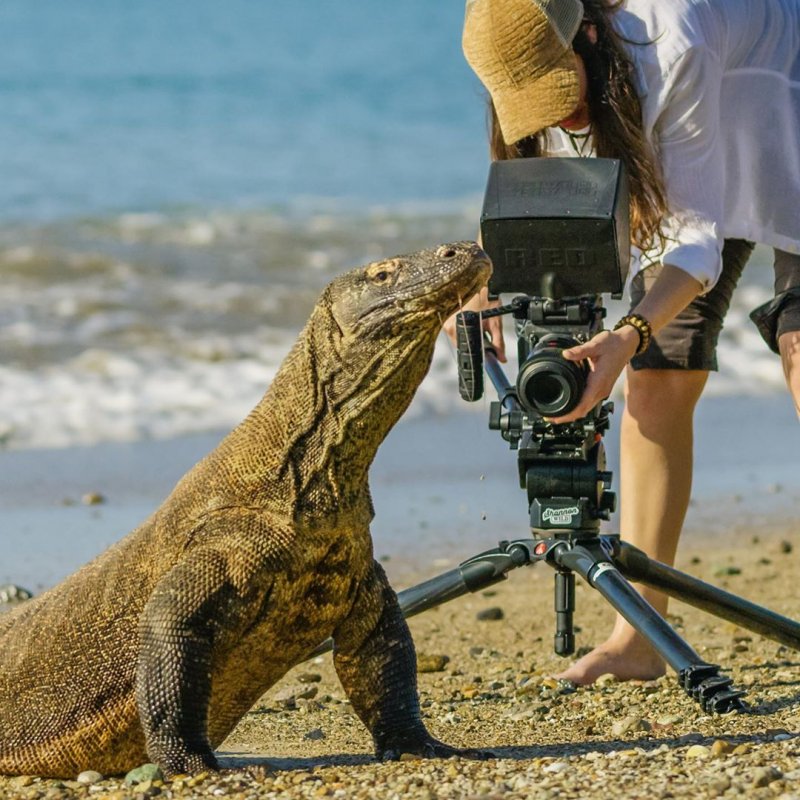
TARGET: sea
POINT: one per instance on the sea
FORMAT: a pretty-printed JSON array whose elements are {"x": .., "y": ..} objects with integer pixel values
[{"x": 179, "y": 180}]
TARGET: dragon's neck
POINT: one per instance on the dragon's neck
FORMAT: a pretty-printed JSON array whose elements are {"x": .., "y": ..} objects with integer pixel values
[{"x": 314, "y": 435}]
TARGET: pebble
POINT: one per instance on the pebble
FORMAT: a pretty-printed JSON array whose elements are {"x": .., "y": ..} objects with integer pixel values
[
  {"x": 429, "y": 662},
  {"x": 287, "y": 698},
  {"x": 607, "y": 679},
  {"x": 764, "y": 776},
  {"x": 93, "y": 499},
  {"x": 309, "y": 677},
  {"x": 630, "y": 724},
  {"x": 698, "y": 751},
  {"x": 315, "y": 735},
  {"x": 146, "y": 772},
  {"x": 89, "y": 776},
  {"x": 490, "y": 614},
  {"x": 721, "y": 748},
  {"x": 14, "y": 594},
  {"x": 721, "y": 784}
]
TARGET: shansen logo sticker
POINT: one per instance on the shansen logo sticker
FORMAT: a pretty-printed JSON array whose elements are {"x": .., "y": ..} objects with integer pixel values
[{"x": 560, "y": 516}]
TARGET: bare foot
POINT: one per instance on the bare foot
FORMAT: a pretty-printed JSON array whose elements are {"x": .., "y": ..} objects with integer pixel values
[{"x": 628, "y": 660}]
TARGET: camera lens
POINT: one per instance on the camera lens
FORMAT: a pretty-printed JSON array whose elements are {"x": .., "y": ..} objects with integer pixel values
[{"x": 547, "y": 383}]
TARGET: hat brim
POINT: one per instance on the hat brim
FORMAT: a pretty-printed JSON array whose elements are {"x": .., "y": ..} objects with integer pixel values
[{"x": 523, "y": 111}]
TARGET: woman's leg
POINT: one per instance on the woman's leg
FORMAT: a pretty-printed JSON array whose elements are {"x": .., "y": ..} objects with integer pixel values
[
  {"x": 662, "y": 390},
  {"x": 656, "y": 479},
  {"x": 789, "y": 347},
  {"x": 787, "y": 328}
]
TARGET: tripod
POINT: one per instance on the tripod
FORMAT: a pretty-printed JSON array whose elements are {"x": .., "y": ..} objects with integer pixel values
[
  {"x": 573, "y": 492},
  {"x": 607, "y": 564}
]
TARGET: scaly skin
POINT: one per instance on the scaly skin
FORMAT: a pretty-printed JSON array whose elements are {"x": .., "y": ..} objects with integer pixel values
[{"x": 156, "y": 649}]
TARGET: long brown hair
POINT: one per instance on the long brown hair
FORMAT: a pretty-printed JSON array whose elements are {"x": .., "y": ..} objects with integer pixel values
[{"x": 617, "y": 130}]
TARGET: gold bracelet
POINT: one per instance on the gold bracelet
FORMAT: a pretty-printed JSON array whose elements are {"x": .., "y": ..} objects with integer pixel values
[{"x": 643, "y": 328}]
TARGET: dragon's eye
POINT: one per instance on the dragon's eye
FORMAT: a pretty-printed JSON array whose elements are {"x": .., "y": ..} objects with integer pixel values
[{"x": 381, "y": 276}]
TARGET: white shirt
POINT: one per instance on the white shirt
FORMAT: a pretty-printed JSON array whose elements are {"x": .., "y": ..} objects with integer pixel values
[{"x": 719, "y": 86}]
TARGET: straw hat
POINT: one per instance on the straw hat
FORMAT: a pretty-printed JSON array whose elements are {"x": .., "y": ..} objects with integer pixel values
[{"x": 522, "y": 52}]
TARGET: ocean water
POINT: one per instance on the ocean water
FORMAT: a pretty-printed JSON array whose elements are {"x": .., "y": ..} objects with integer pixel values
[{"x": 179, "y": 180}]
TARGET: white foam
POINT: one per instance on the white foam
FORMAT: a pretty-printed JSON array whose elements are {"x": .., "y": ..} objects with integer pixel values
[{"x": 150, "y": 325}]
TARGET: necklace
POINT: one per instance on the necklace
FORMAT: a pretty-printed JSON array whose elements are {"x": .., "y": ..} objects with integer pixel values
[{"x": 580, "y": 141}]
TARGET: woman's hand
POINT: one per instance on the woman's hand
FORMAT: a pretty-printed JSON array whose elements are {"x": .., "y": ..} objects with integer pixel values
[
  {"x": 610, "y": 351},
  {"x": 493, "y": 325},
  {"x": 607, "y": 353}
]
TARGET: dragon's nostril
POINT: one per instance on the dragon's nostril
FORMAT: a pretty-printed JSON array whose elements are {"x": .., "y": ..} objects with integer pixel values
[{"x": 449, "y": 253}]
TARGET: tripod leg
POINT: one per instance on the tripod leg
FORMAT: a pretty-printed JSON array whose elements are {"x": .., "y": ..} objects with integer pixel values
[
  {"x": 700, "y": 679},
  {"x": 636, "y": 565}
]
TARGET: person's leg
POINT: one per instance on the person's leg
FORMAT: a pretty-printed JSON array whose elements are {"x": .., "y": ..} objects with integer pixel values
[
  {"x": 787, "y": 333},
  {"x": 656, "y": 481},
  {"x": 789, "y": 347},
  {"x": 662, "y": 390}
]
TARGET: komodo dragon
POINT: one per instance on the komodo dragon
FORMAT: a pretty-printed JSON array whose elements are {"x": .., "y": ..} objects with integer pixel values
[{"x": 157, "y": 648}]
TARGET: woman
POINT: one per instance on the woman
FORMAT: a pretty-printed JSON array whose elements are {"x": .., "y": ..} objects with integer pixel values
[{"x": 701, "y": 101}]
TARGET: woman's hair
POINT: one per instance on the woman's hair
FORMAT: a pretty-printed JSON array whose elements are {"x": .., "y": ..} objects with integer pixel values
[{"x": 617, "y": 130}]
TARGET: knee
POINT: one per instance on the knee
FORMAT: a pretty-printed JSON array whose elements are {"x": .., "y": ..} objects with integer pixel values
[{"x": 663, "y": 394}]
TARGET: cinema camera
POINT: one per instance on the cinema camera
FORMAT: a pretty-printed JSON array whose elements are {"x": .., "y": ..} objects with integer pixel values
[{"x": 557, "y": 231}]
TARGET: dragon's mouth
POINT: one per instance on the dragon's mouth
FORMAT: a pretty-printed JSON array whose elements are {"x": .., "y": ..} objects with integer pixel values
[{"x": 457, "y": 292}]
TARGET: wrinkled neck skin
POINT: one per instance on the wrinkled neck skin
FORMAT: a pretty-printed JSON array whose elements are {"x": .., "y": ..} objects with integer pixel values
[{"x": 318, "y": 427}]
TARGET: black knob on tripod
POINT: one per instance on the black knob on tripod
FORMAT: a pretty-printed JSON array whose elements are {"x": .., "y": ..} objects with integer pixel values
[{"x": 470, "y": 355}]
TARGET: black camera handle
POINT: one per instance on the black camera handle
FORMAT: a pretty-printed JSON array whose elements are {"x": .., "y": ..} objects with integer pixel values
[{"x": 470, "y": 344}]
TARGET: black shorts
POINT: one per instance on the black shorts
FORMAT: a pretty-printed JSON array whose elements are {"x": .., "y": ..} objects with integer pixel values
[{"x": 690, "y": 340}]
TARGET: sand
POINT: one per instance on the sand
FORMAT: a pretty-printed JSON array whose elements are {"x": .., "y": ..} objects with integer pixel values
[{"x": 445, "y": 488}]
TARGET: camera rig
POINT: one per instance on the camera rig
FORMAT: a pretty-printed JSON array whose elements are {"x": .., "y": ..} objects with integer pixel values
[
  {"x": 557, "y": 231},
  {"x": 562, "y": 467}
]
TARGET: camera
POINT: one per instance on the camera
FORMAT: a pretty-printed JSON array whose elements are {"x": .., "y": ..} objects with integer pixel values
[
  {"x": 546, "y": 382},
  {"x": 557, "y": 231}
]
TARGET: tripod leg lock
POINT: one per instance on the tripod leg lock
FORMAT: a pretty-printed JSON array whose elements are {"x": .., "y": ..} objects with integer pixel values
[{"x": 713, "y": 691}]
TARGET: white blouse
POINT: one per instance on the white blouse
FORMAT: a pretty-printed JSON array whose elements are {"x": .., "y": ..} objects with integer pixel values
[{"x": 719, "y": 84}]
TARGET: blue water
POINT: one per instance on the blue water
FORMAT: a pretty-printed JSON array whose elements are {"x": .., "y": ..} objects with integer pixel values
[
  {"x": 111, "y": 105},
  {"x": 180, "y": 178}
]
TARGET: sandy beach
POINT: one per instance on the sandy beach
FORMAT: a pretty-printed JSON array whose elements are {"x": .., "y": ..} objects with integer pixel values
[{"x": 445, "y": 488}]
